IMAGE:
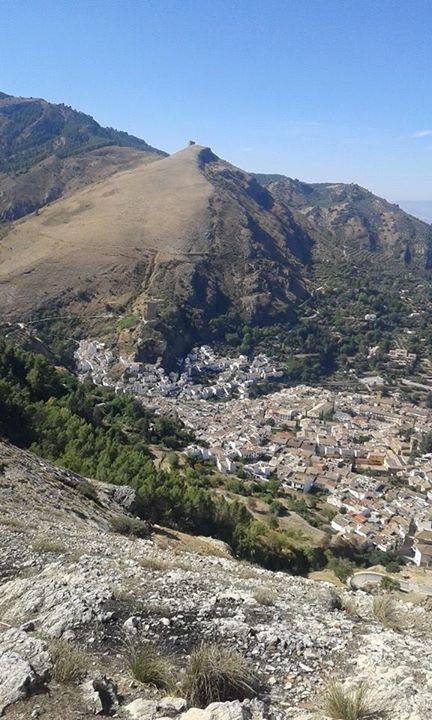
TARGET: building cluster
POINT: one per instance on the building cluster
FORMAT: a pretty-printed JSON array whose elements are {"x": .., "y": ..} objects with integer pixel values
[
  {"x": 359, "y": 451},
  {"x": 202, "y": 374}
]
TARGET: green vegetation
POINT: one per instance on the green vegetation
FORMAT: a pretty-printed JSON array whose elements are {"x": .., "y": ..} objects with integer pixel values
[
  {"x": 330, "y": 334},
  {"x": 388, "y": 583},
  {"x": 21, "y": 148},
  {"x": 133, "y": 527},
  {"x": 342, "y": 567},
  {"x": 127, "y": 322},
  {"x": 217, "y": 674},
  {"x": 93, "y": 431},
  {"x": 107, "y": 436}
]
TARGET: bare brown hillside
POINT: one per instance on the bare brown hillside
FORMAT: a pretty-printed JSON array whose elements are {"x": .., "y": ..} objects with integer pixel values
[
  {"x": 48, "y": 150},
  {"x": 176, "y": 243}
]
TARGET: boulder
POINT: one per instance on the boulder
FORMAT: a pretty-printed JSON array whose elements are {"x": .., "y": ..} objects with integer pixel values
[
  {"x": 218, "y": 711},
  {"x": 140, "y": 709},
  {"x": 24, "y": 666},
  {"x": 171, "y": 706}
]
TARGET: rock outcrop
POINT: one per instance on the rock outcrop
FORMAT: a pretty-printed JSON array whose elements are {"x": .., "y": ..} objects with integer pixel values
[{"x": 66, "y": 577}]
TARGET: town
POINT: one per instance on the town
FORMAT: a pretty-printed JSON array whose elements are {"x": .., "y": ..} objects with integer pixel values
[{"x": 365, "y": 453}]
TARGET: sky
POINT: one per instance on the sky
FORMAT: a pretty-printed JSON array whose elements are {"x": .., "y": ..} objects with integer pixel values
[{"x": 322, "y": 90}]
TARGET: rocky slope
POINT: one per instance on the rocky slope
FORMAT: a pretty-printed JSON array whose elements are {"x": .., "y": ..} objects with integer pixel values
[
  {"x": 351, "y": 219},
  {"x": 177, "y": 244},
  {"x": 49, "y": 150},
  {"x": 72, "y": 589}
]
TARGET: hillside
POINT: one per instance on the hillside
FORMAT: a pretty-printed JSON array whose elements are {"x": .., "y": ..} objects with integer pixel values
[
  {"x": 350, "y": 219},
  {"x": 154, "y": 254},
  {"x": 186, "y": 246},
  {"x": 49, "y": 150},
  {"x": 77, "y": 598}
]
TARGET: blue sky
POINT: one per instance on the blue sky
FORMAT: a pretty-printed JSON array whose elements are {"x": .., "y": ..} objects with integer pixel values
[{"x": 323, "y": 90}]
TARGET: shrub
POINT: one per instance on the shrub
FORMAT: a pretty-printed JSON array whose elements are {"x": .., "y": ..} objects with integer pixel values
[
  {"x": 335, "y": 601},
  {"x": 386, "y": 612},
  {"x": 264, "y": 596},
  {"x": 388, "y": 583},
  {"x": 127, "y": 322},
  {"x": 342, "y": 567},
  {"x": 69, "y": 661},
  {"x": 148, "y": 665},
  {"x": 340, "y": 703},
  {"x": 125, "y": 525},
  {"x": 88, "y": 490},
  {"x": 217, "y": 674}
]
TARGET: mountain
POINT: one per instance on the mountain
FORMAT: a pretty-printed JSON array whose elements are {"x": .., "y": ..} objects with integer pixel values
[
  {"x": 350, "y": 219},
  {"x": 48, "y": 150},
  {"x": 185, "y": 246},
  {"x": 155, "y": 253}
]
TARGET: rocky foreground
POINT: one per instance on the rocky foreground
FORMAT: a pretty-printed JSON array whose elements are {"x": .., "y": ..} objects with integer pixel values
[{"x": 76, "y": 593}]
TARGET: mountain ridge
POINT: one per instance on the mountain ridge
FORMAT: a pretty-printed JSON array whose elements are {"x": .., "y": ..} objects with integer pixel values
[
  {"x": 177, "y": 250},
  {"x": 47, "y": 150},
  {"x": 354, "y": 218}
]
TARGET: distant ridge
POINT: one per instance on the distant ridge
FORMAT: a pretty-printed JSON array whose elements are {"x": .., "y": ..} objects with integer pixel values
[{"x": 48, "y": 150}]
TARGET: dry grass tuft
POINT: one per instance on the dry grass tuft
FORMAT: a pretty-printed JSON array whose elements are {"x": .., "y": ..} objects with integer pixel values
[
  {"x": 351, "y": 608},
  {"x": 14, "y": 524},
  {"x": 149, "y": 665},
  {"x": 217, "y": 674},
  {"x": 340, "y": 703},
  {"x": 386, "y": 612},
  {"x": 151, "y": 563},
  {"x": 44, "y": 544},
  {"x": 264, "y": 596},
  {"x": 69, "y": 661}
]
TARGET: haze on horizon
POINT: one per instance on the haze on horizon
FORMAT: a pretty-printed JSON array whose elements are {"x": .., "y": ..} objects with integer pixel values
[{"x": 328, "y": 91}]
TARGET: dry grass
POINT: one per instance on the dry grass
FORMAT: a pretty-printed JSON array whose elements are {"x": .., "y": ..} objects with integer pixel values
[
  {"x": 358, "y": 703},
  {"x": 118, "y": 217},
  {"x": 246, "y": 571},
  {"x": 217, "y": 674},
  {"x": 13, "y": 524},
  {"x": 386, "y": 612},
  {"x": 156, "y": 564},
  {"x": 45, "y": 544},
  {"x": 264, "y": 596},
  {"x": 69, "y": 661},
  {"x": 149, "y": 665},
  {"x": 351, "y": 608}
]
